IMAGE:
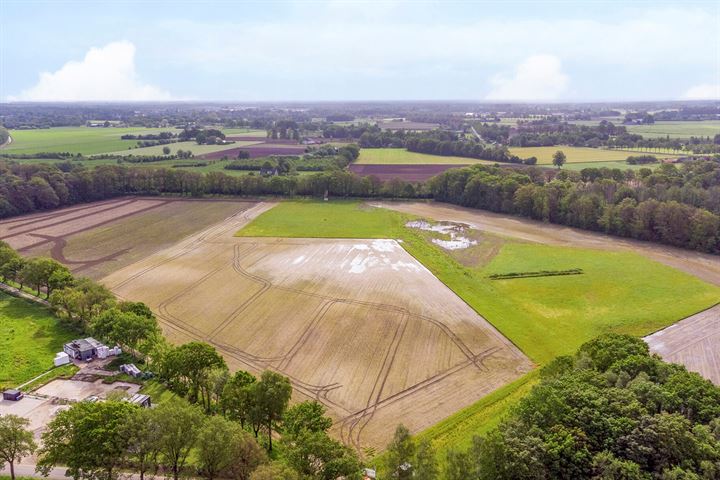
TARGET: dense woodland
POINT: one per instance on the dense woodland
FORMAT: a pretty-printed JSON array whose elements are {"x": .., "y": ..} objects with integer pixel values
[{"x": 611, "y": 411}]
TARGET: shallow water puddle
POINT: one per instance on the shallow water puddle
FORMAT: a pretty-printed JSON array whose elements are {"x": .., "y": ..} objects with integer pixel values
[{"x": 454, "y": 230}]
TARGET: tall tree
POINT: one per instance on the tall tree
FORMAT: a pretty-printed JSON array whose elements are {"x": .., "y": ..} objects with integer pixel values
[
  {"x": 179, "y": 424},
  {"x": 215, "y": 446},
  {"x": 272, "y": 395},
  {"x": 238, "y": 397},
  {"x": 143, "y": 434},
  {"x": 88, "y": 438},
  {"x": 16, "y": 441},
  {"x": 401, "y": 454},
  {"x": 559, "y": 158},
  {"x": 308, "y": 415}
]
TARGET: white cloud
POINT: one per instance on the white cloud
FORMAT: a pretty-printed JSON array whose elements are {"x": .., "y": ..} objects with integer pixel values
[
  {"x": 105, "y": 74},
  {"x": 705, "y": 91},
  {"x": 539, "y": 77}
]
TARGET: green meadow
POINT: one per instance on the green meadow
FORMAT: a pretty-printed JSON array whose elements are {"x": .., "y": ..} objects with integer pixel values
[
  {"x": 30, "y": 336},
  {"x": 83, "y": 140},
  {"x": 577, "y": 154},
  {"x": 400, "y": 156}
]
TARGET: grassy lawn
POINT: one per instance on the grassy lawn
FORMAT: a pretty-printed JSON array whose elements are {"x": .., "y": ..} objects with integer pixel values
[
  {"x": 400, "y": 156},
  {"x": 336, "y": 219},
  {"x": 575, "y": 154},
  {"x": 84, "y": 140},
  {"x": 30, "y": 336}
]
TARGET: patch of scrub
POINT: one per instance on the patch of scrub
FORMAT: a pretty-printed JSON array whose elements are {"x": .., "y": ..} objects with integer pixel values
[{"x": 457, "y": 240}]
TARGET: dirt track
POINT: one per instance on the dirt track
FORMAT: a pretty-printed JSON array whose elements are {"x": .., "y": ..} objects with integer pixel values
[
  {"x": 358, "y": 325},
  {"x": 693, "y": 342}
]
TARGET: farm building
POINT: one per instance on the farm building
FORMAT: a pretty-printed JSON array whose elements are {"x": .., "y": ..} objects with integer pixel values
[
  {"x": 61, "y": 358},
  {"x": 131, "y": 370},
  {"x": 12, "y": 395},
  {"x": 140, "y": 400},
  {"x": 85, "y": 349}
]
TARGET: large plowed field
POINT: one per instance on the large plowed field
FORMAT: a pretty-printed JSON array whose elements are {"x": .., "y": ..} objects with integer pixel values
[
  {"x": 359, "y": 325},
  {"x": 98, "y": 238}
]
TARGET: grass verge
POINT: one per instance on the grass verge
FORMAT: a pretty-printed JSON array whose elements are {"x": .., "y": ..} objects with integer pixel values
[{"x": 30, "y": 335}]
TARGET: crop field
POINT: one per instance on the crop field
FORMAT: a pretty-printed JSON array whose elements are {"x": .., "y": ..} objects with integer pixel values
[
  {"x": 84, "y": 140},
  {"x": 409, "y": 173},
  {"x": 343, "y": 318},
  {"x": 705, "y": 128},
  {"x": 577, "y": 154},
  {"x": 95, "y": 239},
  {"x": 622, "y": 165},
  {"x": 693, "y": 342},
  {"x": 29, "y": 338},
  {"x": 192, "y": 146},
  {"x": 400, "y": 156},
  {"x": 257, "y": 150}
]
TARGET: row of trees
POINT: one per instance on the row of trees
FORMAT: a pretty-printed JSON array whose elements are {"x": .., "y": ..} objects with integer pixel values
[
  {"x": 619, "y": 204},
  {"x": 675, "y": 205},
  {"x": 611, "y": 411}
]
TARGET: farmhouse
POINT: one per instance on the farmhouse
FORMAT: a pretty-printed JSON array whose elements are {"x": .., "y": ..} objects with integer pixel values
[{"x": 85, "y": 349}]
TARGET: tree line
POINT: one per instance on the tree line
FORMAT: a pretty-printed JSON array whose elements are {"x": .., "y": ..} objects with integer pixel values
[
  {"x": 679, "y": 207},
  {"x": 676, "y": 205}
]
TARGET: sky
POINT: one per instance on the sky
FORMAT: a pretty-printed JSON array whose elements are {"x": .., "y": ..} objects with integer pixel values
[{"x": 183, "y": 50}]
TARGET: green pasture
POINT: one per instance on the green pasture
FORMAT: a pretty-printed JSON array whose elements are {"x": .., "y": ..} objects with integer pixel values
[
  {"x": 703, "y": 128},
  {"x": 83, "y": 140},
  {"x": 336, "y": 219},
  {"x": 577, "y": 154},
  {"x": 30, "y": 336},
  {"x": 400, "y": 156},
  {"x": 185, "y": 146}
]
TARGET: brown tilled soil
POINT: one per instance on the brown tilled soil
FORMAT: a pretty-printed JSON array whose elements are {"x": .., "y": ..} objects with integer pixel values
[
  {"x": 98, "y": 238},
  {"x": 358, "y": 325}
]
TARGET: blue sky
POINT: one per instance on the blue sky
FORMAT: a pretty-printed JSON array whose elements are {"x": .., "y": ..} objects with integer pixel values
[{"x": 358, "y": 50}]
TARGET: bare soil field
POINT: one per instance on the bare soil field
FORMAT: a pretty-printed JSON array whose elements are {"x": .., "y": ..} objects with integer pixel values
[
  {"x": 358, "y": 325},
  {"x": 95, "y": 239},
  {"x": 693, "y": 342},
  {"x": 409, "y": 173}
]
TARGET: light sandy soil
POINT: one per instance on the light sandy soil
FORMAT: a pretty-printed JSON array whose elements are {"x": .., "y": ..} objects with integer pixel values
[
  {"x": 76, "y": 390},
  {"x": 96, "y": 239},
  {"x": 359, "y": 325},
  {"x": 693, "y": 342},
  {"x": 41, "y": 406}
]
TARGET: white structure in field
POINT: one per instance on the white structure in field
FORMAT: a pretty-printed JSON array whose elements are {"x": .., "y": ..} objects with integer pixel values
[{"x": 61, "y": 358}]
